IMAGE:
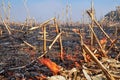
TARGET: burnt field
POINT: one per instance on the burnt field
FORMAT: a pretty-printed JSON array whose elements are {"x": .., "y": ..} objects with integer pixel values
[
  {"x": 75, "y": 44},
  {"x": 64, "y": 52}
]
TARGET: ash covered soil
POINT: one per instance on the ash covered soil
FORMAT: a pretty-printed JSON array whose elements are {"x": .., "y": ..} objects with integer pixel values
[{"x": 16, "y": 57}]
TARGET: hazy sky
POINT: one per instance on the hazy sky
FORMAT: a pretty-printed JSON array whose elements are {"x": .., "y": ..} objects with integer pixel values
[{"x": 44, "y": 9}]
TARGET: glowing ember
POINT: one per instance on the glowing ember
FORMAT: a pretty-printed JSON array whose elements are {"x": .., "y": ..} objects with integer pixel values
[
  {"x": 70, "y": 57},
  {"x": 62, "y": 56},
  {"x": 51, "y": 65},
  {"x": 77, "y": 64},
  {"x": 88, "y": 59},
  {"x": 103, "y": 41},
  {"x": 42, "y": 77},
  {"x": 76, "y": 30}
]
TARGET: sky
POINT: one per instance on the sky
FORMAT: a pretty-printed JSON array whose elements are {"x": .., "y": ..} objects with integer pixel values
[{"x": 42, "y": 10}]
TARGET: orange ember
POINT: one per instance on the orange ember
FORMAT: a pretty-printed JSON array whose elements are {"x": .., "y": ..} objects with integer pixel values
[
  {"x": 88, "y": 58},
  {"x": 51, "y": 65},
  {"x": 42, "y": 77},
  {"x": 76, "y": 30},
  {"x": 62, "y": 55},
  {"x": 103, "y": 41},
  {"x": 77, "y": 64},
  {"x": 70, "y": 57},
  {"x": 54, "y": 31}
]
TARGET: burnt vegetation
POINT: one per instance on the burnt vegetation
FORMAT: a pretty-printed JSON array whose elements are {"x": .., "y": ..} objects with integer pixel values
[{"x": 54, "y": 51}]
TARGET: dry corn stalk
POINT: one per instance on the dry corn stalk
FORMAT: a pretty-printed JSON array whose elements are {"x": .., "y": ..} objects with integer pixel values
[
  {"x": 44, "y": 38},
  {"x": 6, "y": 26},
  {"x": 1, "y": 32},
  {"x": 86, "y": 74},
  {"x": 56, "y": 38},
  {"x": 106, "y": 72},
  {"x": 112, "y": 44},
  {"x": 103, "y": 51},
  {"x": 60, "y": 39},
  {"x": 95, "y": 21},
  {"x": 28, "y": 44},
  {"x": 41, "y": 25}
]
